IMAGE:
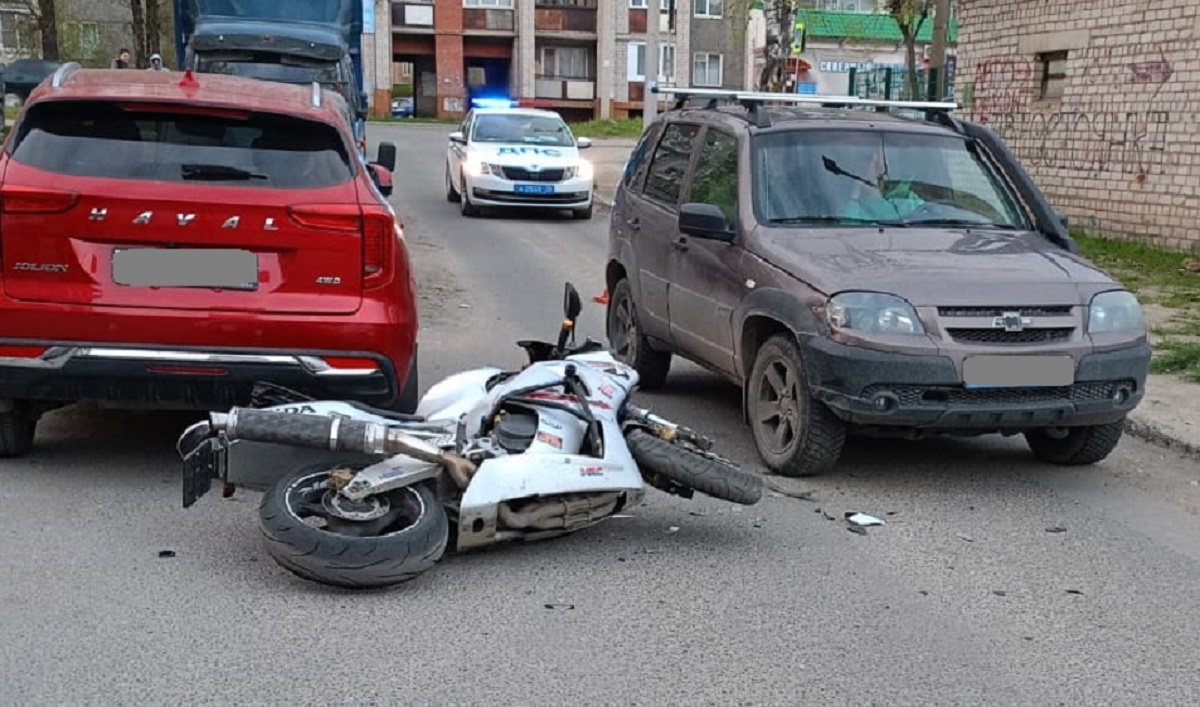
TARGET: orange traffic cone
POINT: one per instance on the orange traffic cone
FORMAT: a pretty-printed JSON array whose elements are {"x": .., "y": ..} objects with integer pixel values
[{"x": 601, "y": 299}]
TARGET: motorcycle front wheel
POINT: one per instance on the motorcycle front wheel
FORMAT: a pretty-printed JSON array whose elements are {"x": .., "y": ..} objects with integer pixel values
[
  {"x": 315, "y": 534},
  {"x": 705, "y": 474}
]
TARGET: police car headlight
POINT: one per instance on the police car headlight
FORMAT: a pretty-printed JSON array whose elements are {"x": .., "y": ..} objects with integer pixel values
[
  {"x": 582, "y": 170},
  {"x": 478, "y": 168},
  {"x": 1115, "y": 311}
]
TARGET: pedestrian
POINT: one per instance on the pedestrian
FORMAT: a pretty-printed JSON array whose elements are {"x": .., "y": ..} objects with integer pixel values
[
  {"x": 122, "y": 61},
  {"x": 156, "y": 63}
]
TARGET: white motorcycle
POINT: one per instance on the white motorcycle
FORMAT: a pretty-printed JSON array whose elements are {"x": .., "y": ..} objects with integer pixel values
[{"x": 489, "y": 456}]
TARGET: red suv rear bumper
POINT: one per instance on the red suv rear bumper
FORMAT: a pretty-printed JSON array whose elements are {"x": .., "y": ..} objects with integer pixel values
[{"x": 201, "y": 360}]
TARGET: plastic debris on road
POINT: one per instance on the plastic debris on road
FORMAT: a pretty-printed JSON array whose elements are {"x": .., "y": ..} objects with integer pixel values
[{"x": 862, "y": 519}]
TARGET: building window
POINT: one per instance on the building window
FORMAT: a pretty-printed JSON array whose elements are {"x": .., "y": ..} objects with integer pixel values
[
  {"x": 867, "y": 6},
  {"x": 706, "y": 69},
  {"x": 499, "y": 4},
  {"x": 13, "y": 31},
  {"x": 637, "y": 62},
  {"x": 707, "y": 8},
  {"x": 564, "y": 63},
  {"x": 1053, "y": 70},
  {"x": 639, "y": 4}
]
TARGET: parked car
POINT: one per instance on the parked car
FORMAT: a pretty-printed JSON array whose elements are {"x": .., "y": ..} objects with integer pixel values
[
  {"x": 24, "y": 75},
  {"x": 173, "y": 239},
  {"x": 402, "y": 107},
  {"x": 503, "y": 156},
  {"x": 866, "y": 272}
]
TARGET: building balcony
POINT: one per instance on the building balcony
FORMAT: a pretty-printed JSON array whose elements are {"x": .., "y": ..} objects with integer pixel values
[
  {"x": 561, "y": 89},
  {"x": 565, "y": 16},
  {"x": 414, "y": 14},
  {"x": 476, "y": 19},
  {"x": 638, "y": 19}
]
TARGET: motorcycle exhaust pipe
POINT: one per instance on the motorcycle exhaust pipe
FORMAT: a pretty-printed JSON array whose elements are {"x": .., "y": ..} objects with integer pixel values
[{"x": 321, "y": 432}]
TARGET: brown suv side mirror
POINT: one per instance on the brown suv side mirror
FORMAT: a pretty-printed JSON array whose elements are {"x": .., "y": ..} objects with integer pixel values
[{"x": 705, "y": 221}]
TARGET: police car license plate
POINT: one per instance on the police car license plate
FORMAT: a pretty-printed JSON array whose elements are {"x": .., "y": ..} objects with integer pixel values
[{"x": 535, "y": 189}]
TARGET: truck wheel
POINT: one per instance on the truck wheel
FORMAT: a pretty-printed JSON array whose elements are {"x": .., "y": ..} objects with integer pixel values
[
  {"x": 410, "y": 396},
  {"x": 626, "y": 339},
  {"x": 1075, "y": 446},
  {"x": 796, "y": 434},
  {"x": 17, "y": 429},
  {"x": 306, "y": 539}
]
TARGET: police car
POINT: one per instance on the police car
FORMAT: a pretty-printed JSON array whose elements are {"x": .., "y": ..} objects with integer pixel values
[{"x": 504, "y": 156}]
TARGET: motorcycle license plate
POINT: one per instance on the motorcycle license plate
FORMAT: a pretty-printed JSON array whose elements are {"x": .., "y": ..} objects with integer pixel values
[
  {"x": 199, "y": 469},
  {"x": 535, "y": 189}
]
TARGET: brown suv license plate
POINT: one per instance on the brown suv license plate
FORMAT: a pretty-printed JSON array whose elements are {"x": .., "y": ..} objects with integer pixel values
[
  {"x": 1018, "y": 371},
  {"x": 225, "y": 268}
]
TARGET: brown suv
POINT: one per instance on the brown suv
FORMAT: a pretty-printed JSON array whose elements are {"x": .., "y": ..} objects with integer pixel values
[{"x": 868, "y": 271}]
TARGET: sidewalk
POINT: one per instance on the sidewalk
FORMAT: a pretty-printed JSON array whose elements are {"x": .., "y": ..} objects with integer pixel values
[
  {"x": 608, "y": 160},
  {"x": 1168, "y": 416}
]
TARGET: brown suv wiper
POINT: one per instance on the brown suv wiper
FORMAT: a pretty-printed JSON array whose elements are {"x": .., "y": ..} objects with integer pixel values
[
  {"x": 959, "y": 222},
  {"x": 217, "y": 172},
  {"x": 835, "y": 220}
]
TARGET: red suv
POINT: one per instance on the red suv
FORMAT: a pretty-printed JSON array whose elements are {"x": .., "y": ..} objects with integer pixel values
[{"x": 172, "y": 240}]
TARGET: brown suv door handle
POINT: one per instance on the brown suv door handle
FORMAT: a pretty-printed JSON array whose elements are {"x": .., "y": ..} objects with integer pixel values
[
  {"x": 680, "y": 243},
  {"x": 635, "y": 223}
]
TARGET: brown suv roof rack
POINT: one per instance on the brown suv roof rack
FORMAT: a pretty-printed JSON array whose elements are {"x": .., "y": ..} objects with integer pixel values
[{"x": 754, "y": 101}]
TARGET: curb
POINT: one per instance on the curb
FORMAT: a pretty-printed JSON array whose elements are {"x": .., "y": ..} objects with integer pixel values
[{"x": 1153, "y": 434}]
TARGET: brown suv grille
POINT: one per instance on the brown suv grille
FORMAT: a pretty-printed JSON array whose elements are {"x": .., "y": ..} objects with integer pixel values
[
  {"x": 1064, "y": 311},
  {"x": 518, "y": 174},
  {"x": 1000, "y": 336},
  {"x": 916, "y": 395}
]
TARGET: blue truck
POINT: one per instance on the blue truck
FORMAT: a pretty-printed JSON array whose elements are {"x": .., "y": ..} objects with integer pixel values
[{"x": 297, "y": 41}]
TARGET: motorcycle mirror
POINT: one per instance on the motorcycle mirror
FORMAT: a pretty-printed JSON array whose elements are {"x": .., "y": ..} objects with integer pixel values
[{"x": 572, "y": 305}]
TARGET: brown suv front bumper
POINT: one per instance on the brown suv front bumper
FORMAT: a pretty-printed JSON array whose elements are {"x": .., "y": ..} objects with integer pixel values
[{"x": 868, "y": 387}]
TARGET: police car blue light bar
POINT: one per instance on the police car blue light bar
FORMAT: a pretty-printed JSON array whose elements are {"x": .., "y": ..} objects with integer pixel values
[{"x": 493, "y": 103}]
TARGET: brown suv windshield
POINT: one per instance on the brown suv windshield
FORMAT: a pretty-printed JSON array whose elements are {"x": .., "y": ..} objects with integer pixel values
[
  {"x": 847, "y": 177},
  {"x": 147, "y": 142}
]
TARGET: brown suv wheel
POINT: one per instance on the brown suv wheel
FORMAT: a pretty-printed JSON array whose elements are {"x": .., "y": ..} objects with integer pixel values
[
  {"x": 625, "y": 338},
  {"x": 796, "y": 435}
]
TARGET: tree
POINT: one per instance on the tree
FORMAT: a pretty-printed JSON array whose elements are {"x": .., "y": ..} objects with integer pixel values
[
  {"x": 910, "y": 16},
  {"x": 44, "y": 14},
  {"x": 780, "y": 16},
  {"x": 146, "y": 23}
]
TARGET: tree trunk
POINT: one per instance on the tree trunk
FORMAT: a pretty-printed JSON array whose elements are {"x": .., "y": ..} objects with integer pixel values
[
  {"x": 48, "y": 29},
  {"x": 139, "y": 34},
  {"x": 153, "y": 27},
  {"x": 910, "y": 51}
]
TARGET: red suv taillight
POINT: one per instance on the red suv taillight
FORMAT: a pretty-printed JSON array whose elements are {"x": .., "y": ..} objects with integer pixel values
[
  {"x": 33, "y": 200},
  {"x": 376, "y": 226}
]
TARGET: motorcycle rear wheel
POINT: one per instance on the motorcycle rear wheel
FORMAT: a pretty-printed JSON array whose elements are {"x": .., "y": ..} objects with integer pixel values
[
  {"x": 709, "y": 476},
  {"x": 402, "y": 543}
]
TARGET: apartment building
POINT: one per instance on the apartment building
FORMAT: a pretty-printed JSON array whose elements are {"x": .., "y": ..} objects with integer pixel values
[{"x": 548, "y": 53}]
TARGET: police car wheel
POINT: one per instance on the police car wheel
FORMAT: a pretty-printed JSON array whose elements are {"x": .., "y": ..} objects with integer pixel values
[
  {"x": 582, "y": 214},
  {"x": 464, "y": 200},
  {"x": 452, "y": 194}
]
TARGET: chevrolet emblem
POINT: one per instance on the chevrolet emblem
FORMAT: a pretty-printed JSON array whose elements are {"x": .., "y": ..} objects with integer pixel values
[{"x": 1011, "y": 321}]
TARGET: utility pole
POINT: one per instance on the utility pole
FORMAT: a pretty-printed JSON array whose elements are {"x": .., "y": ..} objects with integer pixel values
[
  {"x": 941, "y": 35},
  {"x": 650, "y": 100}
]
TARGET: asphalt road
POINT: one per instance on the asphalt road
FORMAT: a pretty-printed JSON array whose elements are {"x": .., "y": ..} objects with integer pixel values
[{"x": 963, "y": 598}]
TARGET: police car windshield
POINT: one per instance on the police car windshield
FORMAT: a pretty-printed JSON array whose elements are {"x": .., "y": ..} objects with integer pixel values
[{"x": 522, "y": 129}]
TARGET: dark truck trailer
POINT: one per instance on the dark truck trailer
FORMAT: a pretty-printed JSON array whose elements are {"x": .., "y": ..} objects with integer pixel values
[{"x": 297, "y": 41}]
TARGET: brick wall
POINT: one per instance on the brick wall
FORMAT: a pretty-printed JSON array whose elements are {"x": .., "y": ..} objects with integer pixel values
[{"x": 1119, "y": 150}]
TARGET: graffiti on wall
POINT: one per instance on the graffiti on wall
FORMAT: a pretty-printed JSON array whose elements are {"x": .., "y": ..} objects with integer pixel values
[{"x": 1004, "y": 96}]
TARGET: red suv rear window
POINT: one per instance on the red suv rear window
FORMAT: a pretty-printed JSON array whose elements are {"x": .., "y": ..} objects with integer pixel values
[{"x": 105, "y": 139}]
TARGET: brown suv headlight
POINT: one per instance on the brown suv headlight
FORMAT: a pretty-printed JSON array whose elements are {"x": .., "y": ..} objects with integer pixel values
[
  {"x": 1115, "y": 311},
  {"x": 872, "y": 312}
]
